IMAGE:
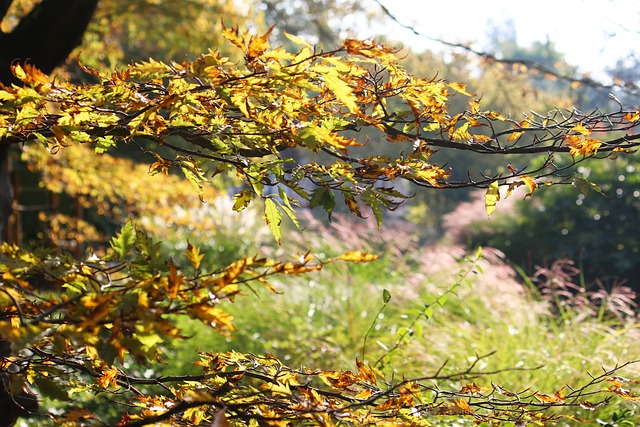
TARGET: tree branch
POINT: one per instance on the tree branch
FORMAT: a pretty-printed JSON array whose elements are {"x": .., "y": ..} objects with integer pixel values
[{"x": 627, "y": 86}]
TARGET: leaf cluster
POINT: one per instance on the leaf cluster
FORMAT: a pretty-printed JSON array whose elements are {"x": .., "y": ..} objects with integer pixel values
[{"x": 212, "y": 116}]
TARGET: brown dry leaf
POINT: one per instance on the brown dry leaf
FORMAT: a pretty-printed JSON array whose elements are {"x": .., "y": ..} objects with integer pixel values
[{"x": 472, "y": 388}]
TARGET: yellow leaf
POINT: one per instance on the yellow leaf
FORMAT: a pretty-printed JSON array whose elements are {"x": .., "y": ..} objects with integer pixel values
[
  {"x": 363, "y": 394},
  {"x": 277, "y": 388},
  {"x": 530, "y": 183},
  {"x": 462, "y": 133},
  {"x": 581, "y": 129},
  {"x": 15, "y": 322},
  {"x": 339, "y": 380},
  {"x": 7, "y": 276},
  {"x": 480, "y": 139},
  {"x": 357, "y": 256},
  {"x": 213, "y": 316},
  {"x": 194, "y": 175},
  {"x": 341, "y": 90},
  {"x": 6, "y": 96},
  {"x": 19, "y": 72},
  {"x": 297, "y": 40},
  {"x": 73, "y": 417},
  {"x": 581, "y": 145},
  {"x": 175, "y": 280},
  {"x": 233, "y": 35},
  {"x": 91, "y": 351},
  {"x": 460, "y": 88},
  {"x": 369, "y": 49},
  {"x": 193, "y": 255},
  {"x": 560, "y": 394},
  {"x": 392, "y": 403},
  {"x": 491, "y": 197},
  {"x": 409, "y": 392},
  {"x": 195, "y": 415}
]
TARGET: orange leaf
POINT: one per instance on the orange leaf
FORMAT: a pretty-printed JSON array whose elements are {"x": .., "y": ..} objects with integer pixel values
[
  {"x": 393, "y": 403},
  {"x": 545, "y": 398},
  {"x": 338, "y": 379},
  {"x": 516, "y": 135},
  {"x": 580, "y": 144},
  {"x": 175, "y": 280},
  {"x": 472, "y": 389},
  {"x": 258, "y": 45},
  {"x": 632, "y": 117},
  {"x": 369, "y": 49},
  {"x": 463, "y": 405},
  {"x": 365, "y": 372},
  {"x": 109, "y": 377}
]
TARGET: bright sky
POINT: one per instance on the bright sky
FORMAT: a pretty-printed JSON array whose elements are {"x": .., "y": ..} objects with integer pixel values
[{"x": 591, "y": 33}]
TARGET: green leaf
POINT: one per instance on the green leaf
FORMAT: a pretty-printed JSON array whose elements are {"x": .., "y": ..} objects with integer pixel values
[
  {"x": 428, "y": 311},
  {"x": 51, "y": 388},
  {"x": 41, "y": 138},
  {"x": 322, "y": 196},
  {"x": 194, "y": 176},
  {"x": 149, "y": 341},
  {"x": 478, "y": 252},
  {"x": 386, "y": 296},
  {"x": 75, "y": 287},
  {"x": 585, "y": 186},
  {"x": 123, "y": 242},
  {"x": 491, "y": 197},
  {"x": 287, "y": 208},
  {"x": 273, "y": 216},
  {"x": 371, "y": 200},
  {"x": 103, "y": 143}
]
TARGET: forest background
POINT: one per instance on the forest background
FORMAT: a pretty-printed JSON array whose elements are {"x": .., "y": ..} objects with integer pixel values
[{"x": 549, "y": 299}]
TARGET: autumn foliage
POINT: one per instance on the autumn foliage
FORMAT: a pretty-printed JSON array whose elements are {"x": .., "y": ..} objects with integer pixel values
[{"x": 78, "y": 325}]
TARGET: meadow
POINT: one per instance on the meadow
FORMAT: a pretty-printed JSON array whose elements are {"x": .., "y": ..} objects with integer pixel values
[{"x": 424, "y": 308}]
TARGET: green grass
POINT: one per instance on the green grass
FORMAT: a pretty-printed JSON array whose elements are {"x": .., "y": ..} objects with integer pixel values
[{"x": 321, "y": 320}]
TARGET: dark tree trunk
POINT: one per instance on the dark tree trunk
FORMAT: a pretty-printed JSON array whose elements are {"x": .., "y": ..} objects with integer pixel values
[
  {"x": 6, "y": 192},
  {"x": 44, "y": 38}
]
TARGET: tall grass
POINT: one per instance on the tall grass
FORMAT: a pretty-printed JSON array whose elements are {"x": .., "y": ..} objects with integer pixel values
[{"x": 446, "y": 307}]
